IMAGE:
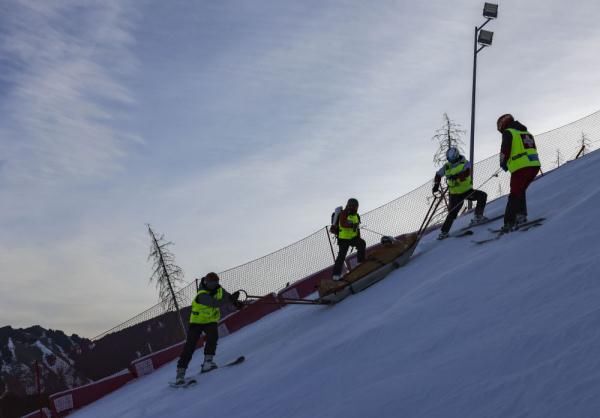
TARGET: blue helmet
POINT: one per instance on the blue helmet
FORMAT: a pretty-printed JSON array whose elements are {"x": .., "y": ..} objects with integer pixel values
[{"x": 452, "y": 155}]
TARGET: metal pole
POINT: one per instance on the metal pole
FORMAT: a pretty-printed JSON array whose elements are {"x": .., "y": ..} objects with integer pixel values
[
  {"x": 283, "y": 300},
  {"x": 330, "y": 244},
  {"x": 472, "y": 142}
]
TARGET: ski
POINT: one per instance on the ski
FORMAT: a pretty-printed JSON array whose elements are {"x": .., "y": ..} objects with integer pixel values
[
  {"x": 461, "y": 234},
  {"x": 457, "y": 235},
  {"x": 528, "y": 227},
  {"x": 524, "y": 226},
  {"x": 487, "y": 221},
  {"x": 191, "y": 381},
  {"x": 494, "y": 238},
  {"x": 466, "y": 230},
  {"x": 238, "y": 360}
]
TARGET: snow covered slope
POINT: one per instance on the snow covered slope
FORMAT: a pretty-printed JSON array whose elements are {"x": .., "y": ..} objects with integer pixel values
[{"x": 506, "y": 329}]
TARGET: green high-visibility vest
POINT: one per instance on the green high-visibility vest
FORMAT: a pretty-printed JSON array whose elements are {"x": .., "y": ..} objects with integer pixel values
[
  {"x": 455, "y": 185},
  {"x": 522, "y": 151},
  {"x": 202, "y": 314},
  {"x": 349, "y": 233}
]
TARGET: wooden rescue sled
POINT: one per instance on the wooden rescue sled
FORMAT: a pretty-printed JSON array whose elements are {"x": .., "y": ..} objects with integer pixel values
[{"x": 378, "y": 264}]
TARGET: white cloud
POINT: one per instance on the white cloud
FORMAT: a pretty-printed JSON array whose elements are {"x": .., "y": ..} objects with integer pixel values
[
  {"x": 258, "y": 118},
  {"x": 62, "y": 103}
]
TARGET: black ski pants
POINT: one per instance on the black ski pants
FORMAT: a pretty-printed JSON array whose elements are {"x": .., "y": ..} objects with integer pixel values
[
  {"x": 344, "y": 245},
  {"x": 194, "y": 332},
  {"x": 456, "y": 202}
]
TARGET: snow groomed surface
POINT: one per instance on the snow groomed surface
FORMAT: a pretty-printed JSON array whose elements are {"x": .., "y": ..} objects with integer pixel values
[{"x": 506, "y": 329}]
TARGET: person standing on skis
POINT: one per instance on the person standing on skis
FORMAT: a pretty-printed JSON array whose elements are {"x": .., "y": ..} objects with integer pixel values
[
  {"x": 204, "y": 318},
  {"x": 519, "y": 156},
  {"x": 460, "y": 188}
]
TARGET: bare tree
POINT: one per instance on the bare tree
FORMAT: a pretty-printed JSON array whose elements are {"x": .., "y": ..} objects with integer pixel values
[
  {"x": 167, "y": 275},
  {"x": 449, "y": 135},
  {"x": 559, "y": 158},
  {"x": 585, "y": 145}
]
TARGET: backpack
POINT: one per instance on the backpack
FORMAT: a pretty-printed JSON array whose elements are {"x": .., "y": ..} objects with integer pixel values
[{"x": 334, "y": 227}]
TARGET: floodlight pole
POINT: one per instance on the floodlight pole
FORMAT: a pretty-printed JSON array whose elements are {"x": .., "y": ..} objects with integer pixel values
[{"x": 472, "y": 141}]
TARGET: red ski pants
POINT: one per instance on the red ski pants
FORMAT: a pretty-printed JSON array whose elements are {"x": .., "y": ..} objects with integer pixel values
[{"x": 520, "y": 181}]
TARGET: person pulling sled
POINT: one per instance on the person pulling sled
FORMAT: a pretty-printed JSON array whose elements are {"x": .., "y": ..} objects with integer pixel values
[
  {"x": 348, "y": 235},
  {"x": 204, "y": 318}
]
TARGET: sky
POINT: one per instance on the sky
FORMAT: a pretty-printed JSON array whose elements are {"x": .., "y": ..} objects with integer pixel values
[
  {"x": 518, "y": 338},
  {"x": 235, "y": 127}
]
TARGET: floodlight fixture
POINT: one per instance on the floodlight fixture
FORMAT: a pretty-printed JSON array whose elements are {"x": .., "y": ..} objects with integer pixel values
[
  {"x": 490, "y": 10},
  {"x": 485, "y": 37}
]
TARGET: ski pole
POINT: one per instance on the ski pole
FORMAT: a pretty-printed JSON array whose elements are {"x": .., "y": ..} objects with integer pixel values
[
  {"x": 284, "y": 302},
  {"x": 289, "y": 301},
  {"x": 280, "y": 300},
  {"x": 473, "y": 191},
  {"x": 374, "y": 232}
]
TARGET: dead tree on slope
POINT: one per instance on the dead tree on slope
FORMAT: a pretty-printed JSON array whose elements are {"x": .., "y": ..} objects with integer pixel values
[
  {"x": 585, "y": 145},
  {"x": 559, "y": 158},
  {"x": 448, "y": 136},
  {"x": 167, "y": 275}
]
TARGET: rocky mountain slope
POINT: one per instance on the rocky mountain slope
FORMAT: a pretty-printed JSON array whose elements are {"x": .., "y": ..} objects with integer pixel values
[{"x": 55, "y": 354}]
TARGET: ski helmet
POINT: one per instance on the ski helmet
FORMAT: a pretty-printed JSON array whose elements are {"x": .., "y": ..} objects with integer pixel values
[
  {"x": 352, "y": 202},
  {"x": 210, "y": 281},
  {"x": 452, "y": 155},
  {"x": 503, "y": 121},
  {"x": 212, "y": 277}
]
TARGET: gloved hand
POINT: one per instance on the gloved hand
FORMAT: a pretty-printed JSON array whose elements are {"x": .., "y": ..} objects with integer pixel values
[
  {"x": 235, "y": 295},
  {"x": 238, "y": 304},
  {"x": 436, "y": 187}
]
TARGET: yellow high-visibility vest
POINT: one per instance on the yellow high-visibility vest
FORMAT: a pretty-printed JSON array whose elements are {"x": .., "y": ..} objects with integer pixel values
[
  {"x": 202, "y": 314},
  {"x": 522, "y": 151},
  {"x": 455, "y": 185},
  {"x": 349, "y": 233}
]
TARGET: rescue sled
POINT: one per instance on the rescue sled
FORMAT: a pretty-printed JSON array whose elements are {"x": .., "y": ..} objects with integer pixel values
[{"x": 377, "y": 265}]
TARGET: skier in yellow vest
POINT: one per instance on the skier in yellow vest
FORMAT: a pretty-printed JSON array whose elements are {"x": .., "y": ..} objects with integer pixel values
[
  {"x": 460, "y": 187},
  {"x": 518, "y": 154},
  {"x": 348, "y": 236},
  {"x": 204, "y": 318}
]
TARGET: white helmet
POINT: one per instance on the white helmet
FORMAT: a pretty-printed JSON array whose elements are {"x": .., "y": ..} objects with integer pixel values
[{"x": 452, "y": 155}]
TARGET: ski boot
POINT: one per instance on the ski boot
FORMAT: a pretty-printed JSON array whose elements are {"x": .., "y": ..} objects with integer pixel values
[
  {"x": 208, "y": 364},
  {"x": 180, "y": 376},
  {"x": 506, "y": 228},
  {"x": 478, "y": 219},
  {"x": 520, "y": 219}
]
